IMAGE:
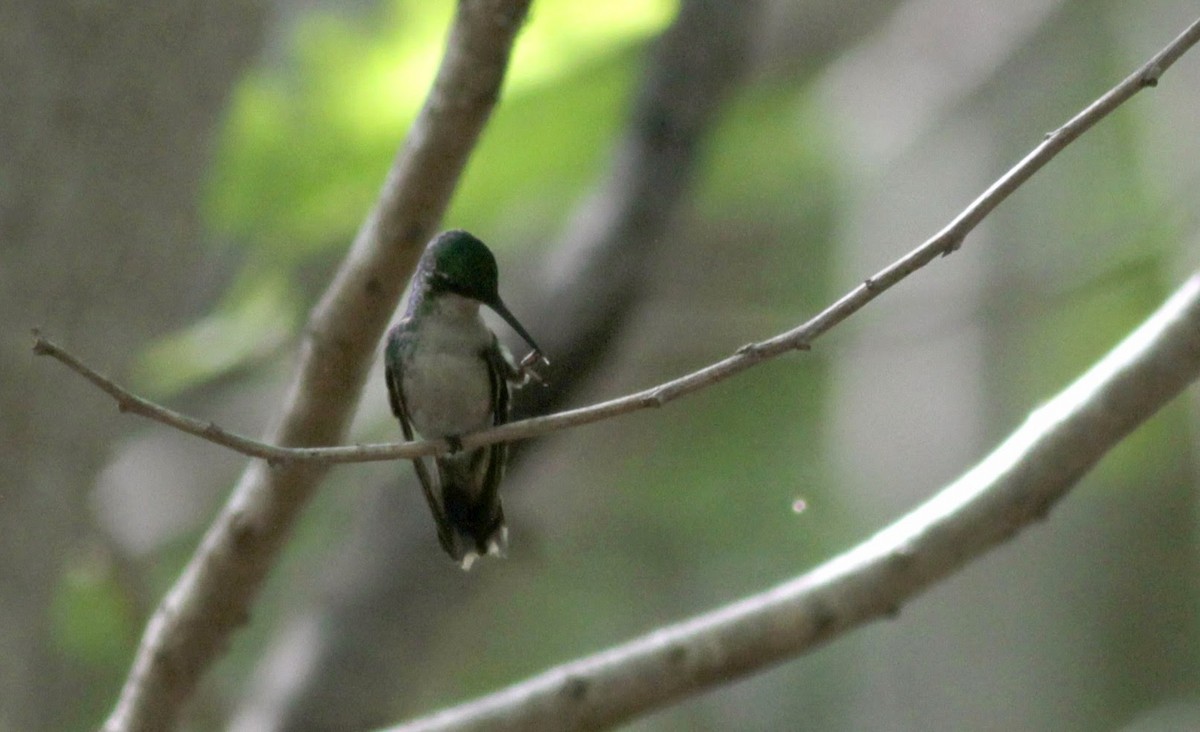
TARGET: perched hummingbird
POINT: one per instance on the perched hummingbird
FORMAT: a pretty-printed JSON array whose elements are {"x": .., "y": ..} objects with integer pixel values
[{"x": 447, "y": 375}]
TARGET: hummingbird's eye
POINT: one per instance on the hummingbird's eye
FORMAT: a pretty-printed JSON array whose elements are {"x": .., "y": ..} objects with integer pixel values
[{"x": 443, "y": 282}]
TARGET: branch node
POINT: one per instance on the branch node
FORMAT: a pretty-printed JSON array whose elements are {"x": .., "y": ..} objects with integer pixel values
[
  {"x": 280, "y": 458},
  {"x": 40, "y": 346},
  {"x": 656, "y": 398},
  {"x": 953, "y": 243},
  {"x": 824, "y": 619},
  {"x": 1150, "y": 76},
  {"x": 241, "y": 532},
  {"x": 575, "y": 688}
]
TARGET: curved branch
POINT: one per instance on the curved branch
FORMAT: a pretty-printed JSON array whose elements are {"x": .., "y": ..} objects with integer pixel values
[
  {"x": 214, "y": 593},
  {"x": 1012, "y": 487},
  {"x": 944, "y": 242}
]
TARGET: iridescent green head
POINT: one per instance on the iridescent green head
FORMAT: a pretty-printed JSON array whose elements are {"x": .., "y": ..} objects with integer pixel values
[{"x": 457, "y": 262}]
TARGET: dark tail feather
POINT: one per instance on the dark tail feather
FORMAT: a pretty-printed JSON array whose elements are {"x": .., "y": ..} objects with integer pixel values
[{"x": 474, "y": 516}]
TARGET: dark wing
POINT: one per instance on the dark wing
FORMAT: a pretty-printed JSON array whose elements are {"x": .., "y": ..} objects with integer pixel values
[
  {"x": 499, "y": 372},
  {"x": 394, "y": 374}
]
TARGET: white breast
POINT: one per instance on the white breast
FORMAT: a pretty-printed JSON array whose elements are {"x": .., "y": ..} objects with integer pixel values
[{"x": 446, "y": 383}]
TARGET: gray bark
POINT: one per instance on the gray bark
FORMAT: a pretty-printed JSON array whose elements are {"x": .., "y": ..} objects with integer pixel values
[{"x": 108, "y": 122}]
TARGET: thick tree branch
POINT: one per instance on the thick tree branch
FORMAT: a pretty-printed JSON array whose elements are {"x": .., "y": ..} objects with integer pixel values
[
  {"x": 215, "y": 591},
  {"x": 1010, "y": 489},
  {"x": 944, "y": 242}
]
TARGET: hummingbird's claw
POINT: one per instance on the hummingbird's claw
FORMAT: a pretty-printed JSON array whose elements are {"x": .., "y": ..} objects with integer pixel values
[{"x": 527, "y": 370}]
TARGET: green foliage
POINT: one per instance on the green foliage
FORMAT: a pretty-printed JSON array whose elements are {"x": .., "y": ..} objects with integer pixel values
[
  {"x": 257, "y": 315},
  {"x": 306, "y": 148},
  {"x": 93, "y": 619},
  {"x": 308, "y": 142},
  {"x": 306, "y": 145},
  {"x": 95, "y": 624},
  {"x": 769, "y": 156},
  {"x": 544, "y": 146}
]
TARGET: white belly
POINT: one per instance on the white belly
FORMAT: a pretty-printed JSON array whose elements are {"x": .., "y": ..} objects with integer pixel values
[
  {"x": 446, "y": 383},
  {"x": 448, "y": 393}
]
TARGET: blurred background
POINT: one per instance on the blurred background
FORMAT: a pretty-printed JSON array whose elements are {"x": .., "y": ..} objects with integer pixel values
[{"x": 178, "y": 181}]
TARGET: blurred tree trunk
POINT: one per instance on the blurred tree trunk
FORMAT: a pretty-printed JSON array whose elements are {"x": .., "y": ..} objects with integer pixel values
[
  {"x": 109, "y": 119},
  {"x": 955, "y": 357}
]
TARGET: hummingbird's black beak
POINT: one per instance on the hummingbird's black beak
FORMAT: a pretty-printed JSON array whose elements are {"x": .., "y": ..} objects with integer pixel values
[{"x": 503, "y": 311}]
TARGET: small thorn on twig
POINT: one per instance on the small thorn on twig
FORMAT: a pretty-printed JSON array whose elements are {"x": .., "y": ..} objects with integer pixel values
[
  {"x": 1150, "y": 78},
  {"x": 750, "y": 349},
  {"x": 871, "y": 285}
]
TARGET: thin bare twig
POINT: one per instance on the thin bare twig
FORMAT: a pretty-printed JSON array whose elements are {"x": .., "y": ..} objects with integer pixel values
[
  {"x": 944, "y": 242},
  {"x": 214, "y": 593},
  {"x": 127, "y": 401},
  {"x": 1012, "y": 487}
]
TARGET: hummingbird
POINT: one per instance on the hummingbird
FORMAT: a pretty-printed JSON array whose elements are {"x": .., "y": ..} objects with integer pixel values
[{"x": 447, "y": 374}]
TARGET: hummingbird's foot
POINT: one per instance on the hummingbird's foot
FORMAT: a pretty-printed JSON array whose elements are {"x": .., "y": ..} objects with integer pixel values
[
  {"x": 527, "y": 370},
  {"x": 455, "y": 442}
]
